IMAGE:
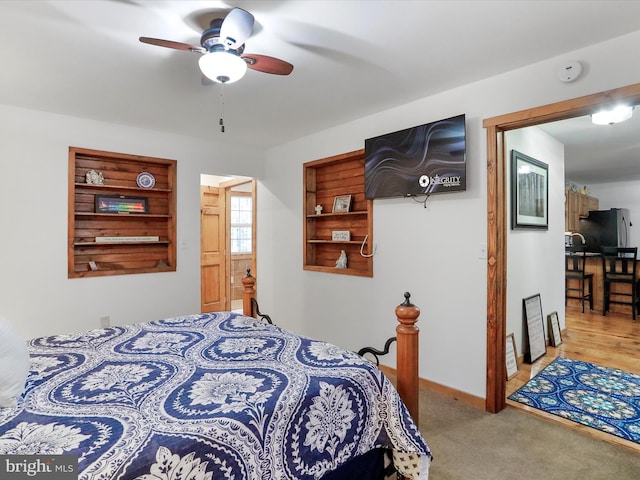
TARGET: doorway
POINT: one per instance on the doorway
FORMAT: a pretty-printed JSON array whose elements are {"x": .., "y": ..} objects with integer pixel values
[
  {"x": 497, "y": 222},
  {"x": 227, "y": 240}
]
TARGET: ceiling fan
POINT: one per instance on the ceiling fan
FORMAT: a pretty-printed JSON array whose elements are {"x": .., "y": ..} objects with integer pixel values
[{"x": 222, "y": 47}]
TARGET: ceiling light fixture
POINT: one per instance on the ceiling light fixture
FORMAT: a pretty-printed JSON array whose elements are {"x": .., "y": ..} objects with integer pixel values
[
  {"x": 615, "y": 115},
  {"x": 223, "y": 66}
]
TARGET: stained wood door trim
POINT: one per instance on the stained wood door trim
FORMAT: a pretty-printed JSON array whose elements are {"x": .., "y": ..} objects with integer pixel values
[
  {"x": 213, "y": 258},
  {"x": 496, "y": 218},
  {"x": 224, "y": 190}
]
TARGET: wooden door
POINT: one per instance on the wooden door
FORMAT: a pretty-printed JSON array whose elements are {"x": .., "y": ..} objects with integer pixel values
[{"x": 213, "y": 297}]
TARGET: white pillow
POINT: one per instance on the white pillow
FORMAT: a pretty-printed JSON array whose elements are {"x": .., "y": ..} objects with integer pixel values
[{"x": 14, "y": 364}]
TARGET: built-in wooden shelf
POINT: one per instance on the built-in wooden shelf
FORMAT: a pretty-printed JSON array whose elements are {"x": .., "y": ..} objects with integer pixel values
[
  {"x": 119, "y": 187},
  {"x": 132, "y": 216},
  {"x": 341, "y": 214},
  {"x": 89, "y": 244},
  {"x": 351, "y": 242},
  {"x": 88, "y": 258},
  {"x": 324, "y": 180}
]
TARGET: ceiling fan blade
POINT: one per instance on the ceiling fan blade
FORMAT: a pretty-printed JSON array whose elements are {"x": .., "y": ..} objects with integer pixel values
[
  {"x": 266, "y": 64},
  {"x": 236, "y": 28},
  {"x": 171, "y": 44}
]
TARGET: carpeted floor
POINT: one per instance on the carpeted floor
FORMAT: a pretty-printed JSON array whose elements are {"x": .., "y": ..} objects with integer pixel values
[
  {"x": 603, "y": 398},
  {"x": 471, "y": 444}
]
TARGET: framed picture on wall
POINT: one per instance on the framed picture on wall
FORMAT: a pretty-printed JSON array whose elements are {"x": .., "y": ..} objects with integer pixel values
[{"x": 529, "y": 192}]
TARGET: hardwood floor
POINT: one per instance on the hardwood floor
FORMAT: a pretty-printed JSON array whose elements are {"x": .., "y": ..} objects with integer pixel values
[{"x": 611, "y": 341}]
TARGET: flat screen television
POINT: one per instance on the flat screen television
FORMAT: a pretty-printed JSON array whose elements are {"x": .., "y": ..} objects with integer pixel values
[{"x": 430, "y": 158}]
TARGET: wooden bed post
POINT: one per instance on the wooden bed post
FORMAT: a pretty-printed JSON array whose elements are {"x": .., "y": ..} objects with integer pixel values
[
  {"x": 407, "y": 355},
  {"x": 248, "y": 292}
]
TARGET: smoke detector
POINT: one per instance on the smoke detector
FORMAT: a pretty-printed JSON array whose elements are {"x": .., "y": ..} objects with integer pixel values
[{"x": 570, "y": 72}]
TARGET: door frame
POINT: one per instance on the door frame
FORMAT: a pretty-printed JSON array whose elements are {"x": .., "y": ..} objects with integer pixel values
[
  {"x": 497, "y": 222},
  {"x": 228, "y": 186},
  {"x": 219, "y": 211}
]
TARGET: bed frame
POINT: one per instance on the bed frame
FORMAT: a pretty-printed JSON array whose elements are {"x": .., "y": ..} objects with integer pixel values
[{"x": 407, "y": 334}]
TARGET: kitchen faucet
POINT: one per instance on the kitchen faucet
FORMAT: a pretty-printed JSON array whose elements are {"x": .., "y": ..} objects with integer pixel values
[{"x": 576, "y": 234}]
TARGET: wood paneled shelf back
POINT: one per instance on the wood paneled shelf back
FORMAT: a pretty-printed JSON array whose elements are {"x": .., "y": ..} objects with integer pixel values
[
  {"x": 122, "y": 214},
  {"x": 338, "y": 220}
]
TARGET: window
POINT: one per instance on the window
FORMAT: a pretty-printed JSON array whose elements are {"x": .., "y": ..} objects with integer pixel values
[{"x": 241, "y": 217}]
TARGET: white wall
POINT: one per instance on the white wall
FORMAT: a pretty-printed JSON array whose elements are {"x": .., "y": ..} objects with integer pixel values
[
  {"x": 621, "y": 195},
  {"x": 432, "y": 252},
  {"x": 36, "y": 294},
  {"x": 535, "y": 262}
]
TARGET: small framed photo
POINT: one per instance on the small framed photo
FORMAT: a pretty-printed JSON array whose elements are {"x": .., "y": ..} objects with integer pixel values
[
  {"x": 555, "y": 336},
  {"x": 341, "y": 204},
  {"x": 511, "y": 358},
  {"x": 121, "y": 204}
]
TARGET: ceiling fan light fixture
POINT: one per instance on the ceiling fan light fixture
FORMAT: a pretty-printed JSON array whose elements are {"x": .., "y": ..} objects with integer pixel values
[
  {"x": 222, "y": 66},
  {"x": 615, "y": 115}
]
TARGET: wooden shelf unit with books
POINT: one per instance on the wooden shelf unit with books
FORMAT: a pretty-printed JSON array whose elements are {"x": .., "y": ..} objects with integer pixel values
[
  {"x": 105, "y": 243},
  {"x": 324, "y": 180}
]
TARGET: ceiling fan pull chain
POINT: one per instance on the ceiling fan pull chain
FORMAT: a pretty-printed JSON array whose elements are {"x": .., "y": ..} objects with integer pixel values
[{"x": 221, "y": 108}]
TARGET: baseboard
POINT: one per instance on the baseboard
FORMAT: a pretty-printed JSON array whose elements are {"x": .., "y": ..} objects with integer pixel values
[{"x": 464, "y": 397}]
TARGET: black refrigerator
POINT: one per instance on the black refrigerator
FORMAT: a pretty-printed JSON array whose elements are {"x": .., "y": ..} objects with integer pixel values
[{"x": 605, "y": 228}]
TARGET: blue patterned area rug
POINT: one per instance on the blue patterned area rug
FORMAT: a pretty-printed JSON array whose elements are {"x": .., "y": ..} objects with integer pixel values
[{"x": 603, "y": 398}]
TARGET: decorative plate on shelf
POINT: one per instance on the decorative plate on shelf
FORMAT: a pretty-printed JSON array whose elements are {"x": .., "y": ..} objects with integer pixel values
[{"x": 146, "y": 180}]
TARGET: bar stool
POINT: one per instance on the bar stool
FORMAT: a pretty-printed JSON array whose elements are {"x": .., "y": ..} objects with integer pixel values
[
  {"x": 619, "y": 267},
  {"x": 574, "y": 271}
]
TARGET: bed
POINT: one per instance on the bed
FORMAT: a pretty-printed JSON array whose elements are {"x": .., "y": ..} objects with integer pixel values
[{"x": 210, "y": 396}]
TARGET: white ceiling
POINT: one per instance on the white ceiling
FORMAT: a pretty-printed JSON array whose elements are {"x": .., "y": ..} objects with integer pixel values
[
  {"x": 599, "y": 153},
  {"x": 351, "y": 58}
]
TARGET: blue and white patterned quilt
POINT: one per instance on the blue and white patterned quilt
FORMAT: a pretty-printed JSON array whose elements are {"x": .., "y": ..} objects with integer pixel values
[{"x": 204, "y": 397}]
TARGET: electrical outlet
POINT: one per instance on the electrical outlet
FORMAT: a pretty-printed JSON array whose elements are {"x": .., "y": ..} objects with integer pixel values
[{"x": 105, "y": 321}]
